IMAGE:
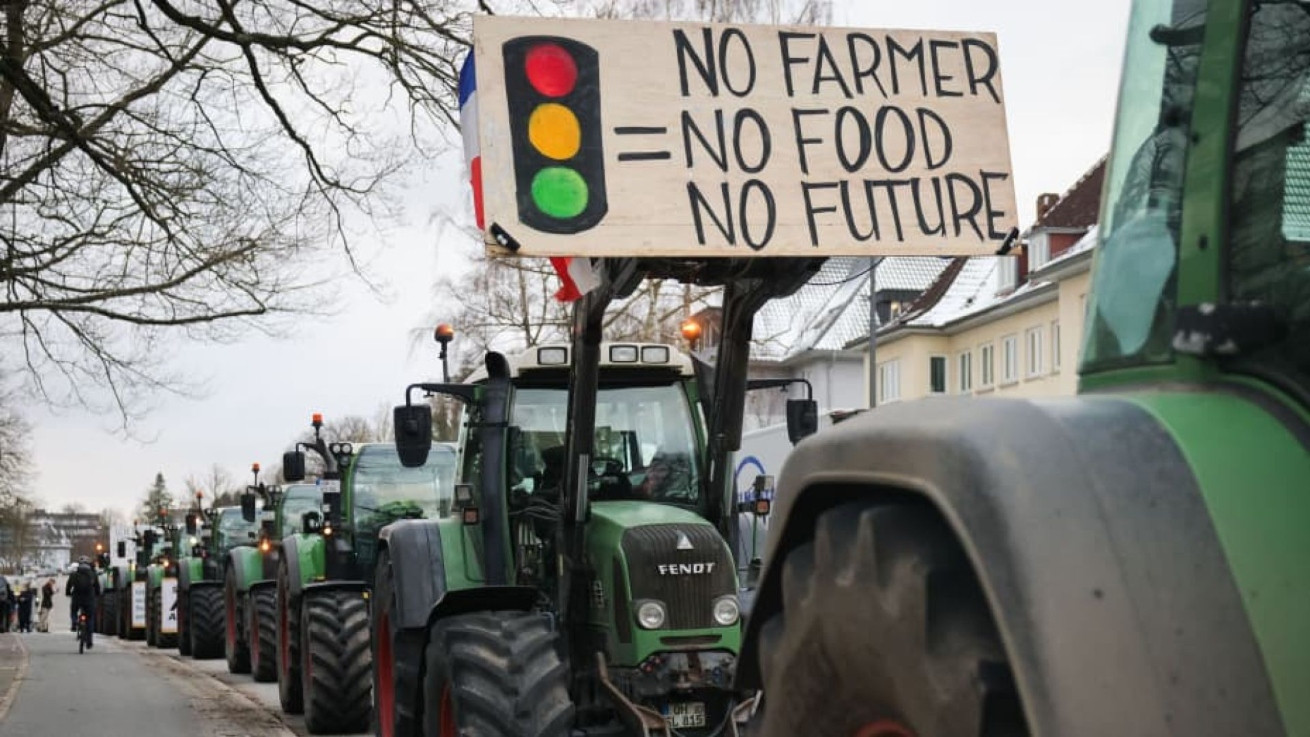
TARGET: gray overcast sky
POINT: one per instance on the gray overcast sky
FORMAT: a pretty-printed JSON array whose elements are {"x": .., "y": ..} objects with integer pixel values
[{"x": 1060, "y": 63}]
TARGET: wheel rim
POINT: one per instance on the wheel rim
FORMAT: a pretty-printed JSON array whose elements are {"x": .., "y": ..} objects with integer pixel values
[
  {"x": 448, "y": 727},
  {"x": 884, "y": 728},
  {"x": 384, "y": 682}
]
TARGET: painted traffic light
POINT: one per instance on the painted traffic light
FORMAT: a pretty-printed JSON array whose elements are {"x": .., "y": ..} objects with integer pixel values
[{"x": 553, "y": 86}]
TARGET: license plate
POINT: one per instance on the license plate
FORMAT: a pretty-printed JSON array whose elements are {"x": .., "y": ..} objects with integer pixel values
[{"x": 685, "y": 714}]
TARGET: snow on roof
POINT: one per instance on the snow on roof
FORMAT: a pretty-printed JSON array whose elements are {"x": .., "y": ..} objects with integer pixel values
[{"x": 833, "y": 309}]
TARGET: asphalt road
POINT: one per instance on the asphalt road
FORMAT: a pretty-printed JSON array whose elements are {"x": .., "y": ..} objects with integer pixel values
[{"x": 124, "y": 689}]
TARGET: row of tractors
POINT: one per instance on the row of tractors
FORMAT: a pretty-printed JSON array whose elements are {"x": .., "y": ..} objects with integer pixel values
[{"x": 421, "y": 587}]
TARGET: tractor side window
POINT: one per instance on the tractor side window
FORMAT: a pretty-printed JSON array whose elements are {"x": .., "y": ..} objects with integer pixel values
[
  {"x": 1130, "y": 315},
  {"x": 1269, "y": 241}
]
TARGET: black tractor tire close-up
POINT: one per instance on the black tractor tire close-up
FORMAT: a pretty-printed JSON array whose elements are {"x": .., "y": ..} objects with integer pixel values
[
  {"x": 152, "y": 628},
  {"x": 261, "y": 628},
  {"x": 495, "y": 673},
  {"x": 397, "y": 661},
  {"x": 288, "y": 645},
  {"x": 336, "y": 662},
  {"x": 183, "y": 622},
  {"x": 234, "y": 643},
  {"x": 884, "y": 630},
  {"x": 206, "y": 627}
]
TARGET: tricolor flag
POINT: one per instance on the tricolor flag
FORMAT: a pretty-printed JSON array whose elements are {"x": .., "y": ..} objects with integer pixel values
[
  {"x": 577, "y": 273},
  {"x": 468, "y": 123}
]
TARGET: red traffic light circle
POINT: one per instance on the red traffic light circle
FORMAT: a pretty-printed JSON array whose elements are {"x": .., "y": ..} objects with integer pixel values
[{"x": 550, "y": 69}]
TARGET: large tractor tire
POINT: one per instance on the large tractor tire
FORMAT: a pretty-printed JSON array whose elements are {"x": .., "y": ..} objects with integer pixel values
[
  {"x": 106, "y": 624},
  {"x": 288, "y": 645},
  {"x": 206, "y": 627},
  {"x": 495, "y": 673},
  {"x": 183, "y": 622},
  {"x": 151, "y": 628},
  {"x": 262, "y": 630},
  {"x": 397, "y": 679},
  {"x": 885, "y": 632},
  {"x": 335, "y": 662},
  {"x": 234, "y": 644}
]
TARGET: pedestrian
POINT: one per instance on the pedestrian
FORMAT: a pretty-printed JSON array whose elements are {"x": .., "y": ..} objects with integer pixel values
[
  {"x": 4, "y": 604},
  {"x": 25, "y": 599},
  {"x": 47, "y": 603}
]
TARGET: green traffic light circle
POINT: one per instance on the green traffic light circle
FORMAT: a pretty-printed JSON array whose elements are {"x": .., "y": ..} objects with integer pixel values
[{"x": 559, "y": 192}]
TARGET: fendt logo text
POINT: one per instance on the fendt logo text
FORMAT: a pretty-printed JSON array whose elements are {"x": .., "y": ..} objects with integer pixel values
[{"x": 684, "y": 569}]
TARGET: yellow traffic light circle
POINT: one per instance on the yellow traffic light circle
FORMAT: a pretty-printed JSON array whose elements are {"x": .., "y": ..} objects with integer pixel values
[
  {"x": 559, "y": 192},
  {"x": 554, "y": 131}
]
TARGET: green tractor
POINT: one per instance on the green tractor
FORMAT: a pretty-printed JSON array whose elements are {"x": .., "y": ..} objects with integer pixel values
[
  {"x": 1132, "y": 560},
  {"x": 107, "y": 603},
  {"x": 324, "y": 656},
  {"x": 131, "y": 583},
  {"x": 255, "y": 569},
  {"x": 563, "y": 592},
  {"x": 210, "y": 617},
  {"x": 161, "y": 588}
]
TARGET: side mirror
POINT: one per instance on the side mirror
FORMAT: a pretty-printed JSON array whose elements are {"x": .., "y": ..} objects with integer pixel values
[
  {"x": 802, "y": 419},
  {"x": 150, "y": 537},
  {"x": 413, "y": 428},
  {"x": 122, "y": 548},
  {"x": 311, "y": 522},
  {"x": 191, "y": 524},
  {"x": 293, "y": 466},
  {"x": 248, "y": 506}
]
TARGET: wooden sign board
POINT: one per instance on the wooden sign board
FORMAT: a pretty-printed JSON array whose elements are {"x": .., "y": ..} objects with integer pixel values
[{"x": 621, "y": 138}]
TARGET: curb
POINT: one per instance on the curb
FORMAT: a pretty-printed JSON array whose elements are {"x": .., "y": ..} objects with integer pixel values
[{"x": 19, "y": 676}]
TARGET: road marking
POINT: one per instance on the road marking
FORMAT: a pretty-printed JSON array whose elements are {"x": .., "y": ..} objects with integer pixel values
[{"x": 18, "y": 677}]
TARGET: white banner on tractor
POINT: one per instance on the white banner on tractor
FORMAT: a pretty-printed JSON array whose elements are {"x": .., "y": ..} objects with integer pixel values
[
  {"x": 619, "y": 138},
  {"x": 168, "y": 603},
  {"x": 138, "y": 604}
]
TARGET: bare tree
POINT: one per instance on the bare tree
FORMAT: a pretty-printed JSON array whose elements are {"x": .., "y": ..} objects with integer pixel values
[
  {"x": 216, "y": 487},
  {"x": 185, "y": 165}
]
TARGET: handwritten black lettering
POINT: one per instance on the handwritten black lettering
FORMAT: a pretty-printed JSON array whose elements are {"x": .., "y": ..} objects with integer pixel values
[
  {"x": 801, "y": 139},
  {"x": 761, "y": 133},
  {"x": 991, "y": 65},
  {"x": 823, "y": 59},
  {"x": 698, "y": 203},
  {"x": 987, "y": 178},
  {"x": 704, "y": 65},
  {"x": 881, "y": 137},
  {"x": 748, "y": 63},
  {"x": 938, "y": 77},
  {"x": 913, "y": 54},
  {"x": 870, "y": 69},
  {"x": 770, "y": 213},
  {"x": 788, "y": 60},
  {"x": 960, "y": 214},
  {"x": 863, "y": 137},
  {"x": 811, "y": 209},
  {"x": 926, "y": 116},
  {"x": 718, "y": 152}
]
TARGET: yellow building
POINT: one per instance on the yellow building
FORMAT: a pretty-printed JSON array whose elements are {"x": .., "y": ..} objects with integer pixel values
[{"x": 1000, "y": 326}]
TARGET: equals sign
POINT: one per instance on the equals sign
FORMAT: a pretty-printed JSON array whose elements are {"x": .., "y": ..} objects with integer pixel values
[{"x": 642, "y": 130}]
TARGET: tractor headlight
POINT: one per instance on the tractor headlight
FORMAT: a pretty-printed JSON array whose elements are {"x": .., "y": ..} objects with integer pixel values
[
  {"x": 726, "y": 610},
  {"x": 651, "y": 615}
]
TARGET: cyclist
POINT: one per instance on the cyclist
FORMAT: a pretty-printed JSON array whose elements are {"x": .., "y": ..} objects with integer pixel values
[{"x": 84, "y": 587}]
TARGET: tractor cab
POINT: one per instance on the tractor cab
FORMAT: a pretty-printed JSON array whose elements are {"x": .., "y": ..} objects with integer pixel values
[{"x": 378, "y": 490}]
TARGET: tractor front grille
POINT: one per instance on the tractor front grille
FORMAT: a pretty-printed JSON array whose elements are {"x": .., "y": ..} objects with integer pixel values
[{"x": 687, "y": 580}]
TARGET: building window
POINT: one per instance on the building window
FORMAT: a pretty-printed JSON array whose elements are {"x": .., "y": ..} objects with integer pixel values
[
  {"x": 889, "y": 381},
  {"x": 965, "y": 372},
  {"x": 1035, "y": 355},
  {"x": 1008, "y": 272},
  {"x": 1009, "y": 359},
  {"x": 987, "y": 365},
  {"x": 1039, "y": 250},
  {"x": 1055, "y": 346},
  {"x": 937, "y": 374}
]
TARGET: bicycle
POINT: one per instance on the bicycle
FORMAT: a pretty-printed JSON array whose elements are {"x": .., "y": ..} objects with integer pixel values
[{"x": 83, "y": 632}]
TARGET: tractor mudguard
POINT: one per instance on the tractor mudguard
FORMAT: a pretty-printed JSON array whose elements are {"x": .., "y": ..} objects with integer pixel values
[
  {"x": 188, "y": 570},
  {"x": 305, "y": 560},
  {"x": 205, "y": 584},
  {"x": 419, "y": 571},
  {"x": 1093, "y": 543},
  {"x": 482, "y": 599},
  {"x": 248, "y": 564}
]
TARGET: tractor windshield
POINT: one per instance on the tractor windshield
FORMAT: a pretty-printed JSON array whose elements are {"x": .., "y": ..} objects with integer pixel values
[
  {"x": 296, "y": 500},
  {"x": 385, "y": 491},
  {"x": 233, "y": 530},
  {"x": 1268, "y": 258},
  {"x": 1130, "y": 317},
  {"x": 645, "y": 445}
]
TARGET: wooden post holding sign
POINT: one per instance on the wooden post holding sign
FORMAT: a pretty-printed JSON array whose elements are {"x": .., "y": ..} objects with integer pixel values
[{"x": 619, "y": 138}]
